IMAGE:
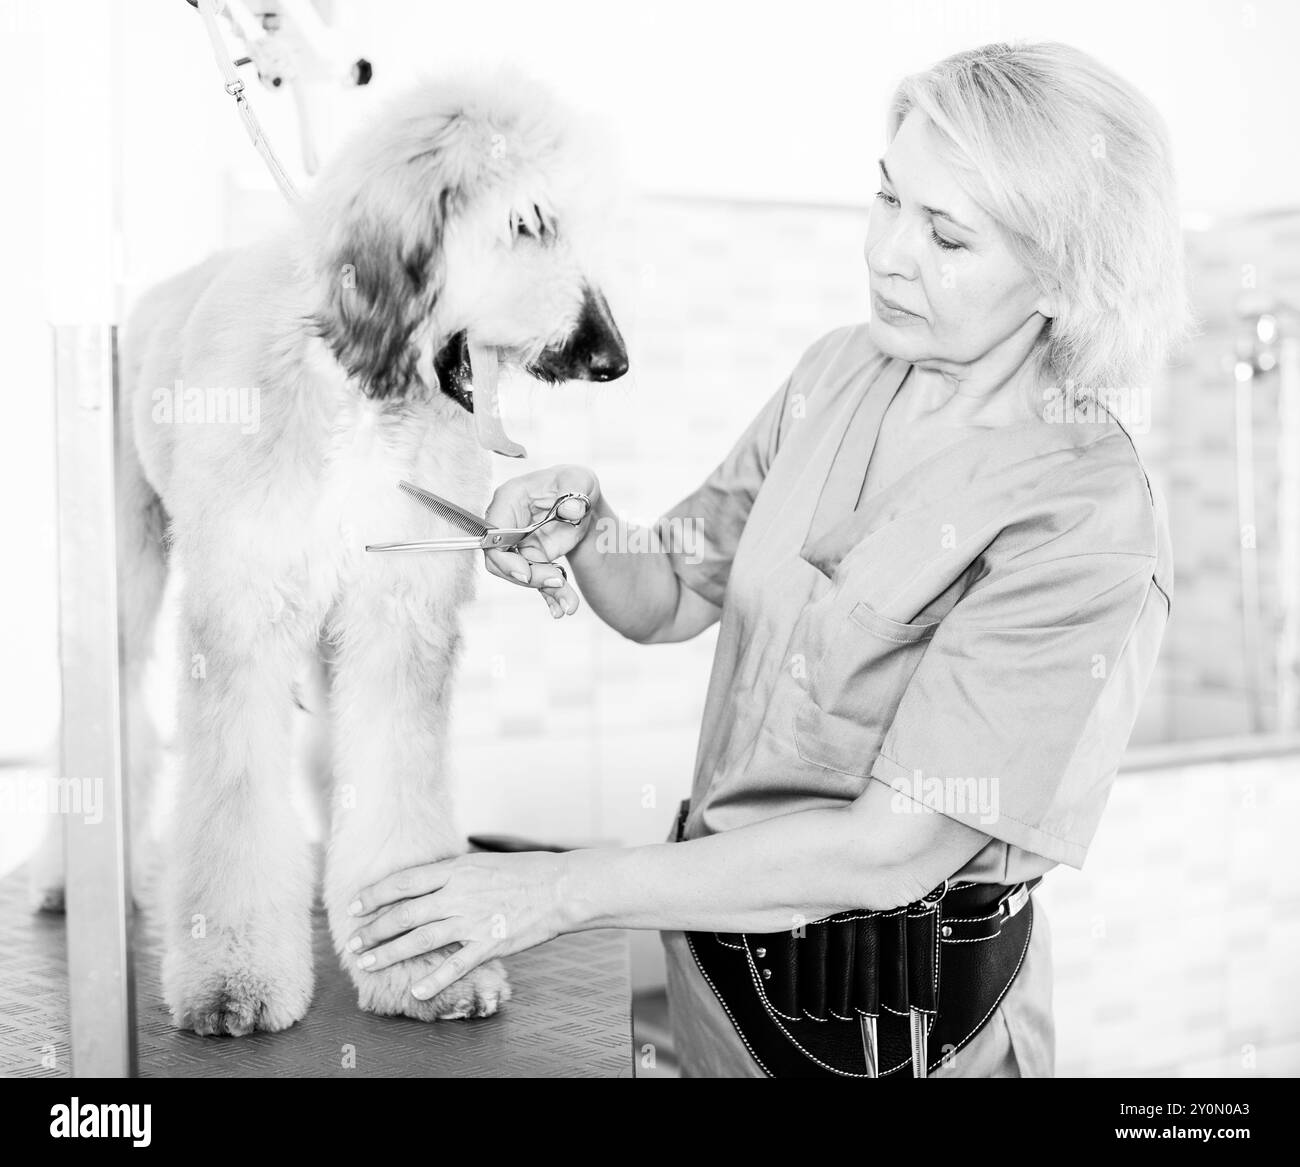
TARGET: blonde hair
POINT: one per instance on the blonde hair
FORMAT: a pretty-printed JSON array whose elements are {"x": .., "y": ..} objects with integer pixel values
[{"x": 1074, "y": 164}]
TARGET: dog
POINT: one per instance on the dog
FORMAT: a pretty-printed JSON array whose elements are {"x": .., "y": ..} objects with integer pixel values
[{"x": 455, "y": 221}]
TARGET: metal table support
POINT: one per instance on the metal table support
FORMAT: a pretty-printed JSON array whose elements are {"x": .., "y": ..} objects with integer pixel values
[{"x": 102, "y": 1023}]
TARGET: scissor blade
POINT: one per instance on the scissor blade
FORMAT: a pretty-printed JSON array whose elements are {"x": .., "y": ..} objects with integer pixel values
[
  {"x": 470, "y": 543},
  {"x": 445, "y": 509}
]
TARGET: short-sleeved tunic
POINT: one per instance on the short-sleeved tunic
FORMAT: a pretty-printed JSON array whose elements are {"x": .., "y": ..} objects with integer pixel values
[{"x": 978, "y": 634}]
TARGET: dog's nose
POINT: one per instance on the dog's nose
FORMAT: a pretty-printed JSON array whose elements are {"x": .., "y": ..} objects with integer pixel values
[
  {"x": 594, "y": 350},
  {"x": 596, "y": 344},
  {"x": 608, "y": 365}
]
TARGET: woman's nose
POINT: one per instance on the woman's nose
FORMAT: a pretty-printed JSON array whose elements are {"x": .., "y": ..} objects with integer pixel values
[{"x": 888, "y": 251}]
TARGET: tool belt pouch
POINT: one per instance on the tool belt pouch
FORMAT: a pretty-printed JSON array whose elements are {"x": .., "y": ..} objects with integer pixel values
[{"x": 798, "y": 997}]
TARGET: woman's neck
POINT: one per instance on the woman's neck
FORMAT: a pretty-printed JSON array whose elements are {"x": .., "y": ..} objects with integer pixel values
[{"x": 1003, "y": 387}]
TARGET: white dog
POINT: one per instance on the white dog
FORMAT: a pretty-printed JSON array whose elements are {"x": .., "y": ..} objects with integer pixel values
[{"x": 447, "y": 229}]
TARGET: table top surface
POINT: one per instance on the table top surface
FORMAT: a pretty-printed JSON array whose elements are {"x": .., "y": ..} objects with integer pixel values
[{"x": 570, "y": 1016}]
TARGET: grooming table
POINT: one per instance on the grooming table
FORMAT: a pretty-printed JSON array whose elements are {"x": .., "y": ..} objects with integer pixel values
[{"x": 570, "y": 1016}]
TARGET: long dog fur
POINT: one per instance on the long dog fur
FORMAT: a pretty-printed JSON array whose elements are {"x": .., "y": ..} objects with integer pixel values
[{"x": 405, "y": 242}]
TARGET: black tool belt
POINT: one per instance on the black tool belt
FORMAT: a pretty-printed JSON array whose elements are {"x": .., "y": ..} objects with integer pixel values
[{"x": 871, "y": 994}]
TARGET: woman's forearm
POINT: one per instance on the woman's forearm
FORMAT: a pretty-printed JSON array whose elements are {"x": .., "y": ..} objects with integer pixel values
[
  {"x": 761, "y": 878},
  {"x": 635, "y": 592},
  {"x": 770, "y": 875}
]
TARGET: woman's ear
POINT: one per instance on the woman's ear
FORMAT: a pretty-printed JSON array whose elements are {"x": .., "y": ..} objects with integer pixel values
[
  {"x": 1049, "y": 303},
  {"x": 379, "y": 278}
]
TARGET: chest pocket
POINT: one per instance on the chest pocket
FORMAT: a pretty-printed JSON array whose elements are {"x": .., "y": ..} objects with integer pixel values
[{"x": 862, "y": 665}]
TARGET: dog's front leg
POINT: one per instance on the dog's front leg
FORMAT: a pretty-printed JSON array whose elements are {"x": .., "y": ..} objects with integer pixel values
[
  {"x": 392, "y": 802},
  {"x": 238, "y": 893}
]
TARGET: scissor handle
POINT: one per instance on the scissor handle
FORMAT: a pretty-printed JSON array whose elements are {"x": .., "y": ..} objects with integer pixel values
[
  {"x": 508, "y": 538},
  {"x": 554, "y": 512}
]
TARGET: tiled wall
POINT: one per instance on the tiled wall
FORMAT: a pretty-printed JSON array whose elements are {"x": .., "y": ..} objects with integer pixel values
[
  {"x": 1176, "y": 947},
  {"x": 1204, "y": 680}
]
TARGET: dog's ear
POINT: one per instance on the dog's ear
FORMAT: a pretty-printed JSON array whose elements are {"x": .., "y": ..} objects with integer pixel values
[{"x": 380, "y": 275}]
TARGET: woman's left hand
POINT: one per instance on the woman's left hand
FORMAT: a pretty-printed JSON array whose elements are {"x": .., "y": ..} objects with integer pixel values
[{"x": 490, "y": 904}]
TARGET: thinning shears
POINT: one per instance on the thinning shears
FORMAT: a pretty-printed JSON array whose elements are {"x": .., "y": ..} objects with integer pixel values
[{"x": 481, "y": 536}]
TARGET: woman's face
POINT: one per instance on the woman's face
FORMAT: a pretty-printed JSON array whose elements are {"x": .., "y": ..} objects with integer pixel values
[{"x": 945, "y": 287}]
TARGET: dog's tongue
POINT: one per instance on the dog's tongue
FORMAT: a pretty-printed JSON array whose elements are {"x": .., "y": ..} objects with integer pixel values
[{"x": 485, "y": 369}]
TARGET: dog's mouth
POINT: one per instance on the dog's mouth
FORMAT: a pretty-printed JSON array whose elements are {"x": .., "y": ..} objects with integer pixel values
[
  {"x": 456, "y": 371},
  {"x": 455, "y": 368},
  {"x": 468, "y": 371},
  {"x": 593, "y": 351}
]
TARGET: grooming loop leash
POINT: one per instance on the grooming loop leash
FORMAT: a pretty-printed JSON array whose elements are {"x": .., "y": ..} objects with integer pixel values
[{"x": 234, "y": 85}]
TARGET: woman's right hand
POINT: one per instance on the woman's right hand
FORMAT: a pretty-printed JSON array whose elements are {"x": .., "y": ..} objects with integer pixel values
[{"x": 522, "y": 501}]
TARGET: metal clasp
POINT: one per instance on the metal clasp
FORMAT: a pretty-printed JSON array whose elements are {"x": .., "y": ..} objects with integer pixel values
[
  {"x": 1013, "y": 901},
  {"x": 931, "y": 899}
]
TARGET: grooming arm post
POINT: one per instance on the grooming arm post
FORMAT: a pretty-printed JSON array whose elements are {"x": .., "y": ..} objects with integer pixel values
[{"x": 100, "y": 992}]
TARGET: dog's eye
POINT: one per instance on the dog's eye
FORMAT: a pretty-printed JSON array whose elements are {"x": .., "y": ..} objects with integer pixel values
[{"x": 520, "y": 230}]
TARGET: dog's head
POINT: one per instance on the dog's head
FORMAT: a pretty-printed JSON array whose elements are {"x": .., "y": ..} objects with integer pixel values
[{"x": 460, "y": 218}]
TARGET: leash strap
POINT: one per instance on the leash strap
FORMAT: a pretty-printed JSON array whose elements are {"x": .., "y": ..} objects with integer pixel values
[{"x": 234, "y": 85}]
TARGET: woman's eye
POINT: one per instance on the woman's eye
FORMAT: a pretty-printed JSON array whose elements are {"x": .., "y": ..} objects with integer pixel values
[{"x": 946, "y": 244}]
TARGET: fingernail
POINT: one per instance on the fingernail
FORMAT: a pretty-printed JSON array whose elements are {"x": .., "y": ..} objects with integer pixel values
[
  {"x": 355, "y": 907},
  {"x": 367, "y": 960},
  {"x": 553, "y": 582},
  {"x": 420, "y": 991},
  {"x": 354, "y": 945},
  {"x": 519, "y": 575}
]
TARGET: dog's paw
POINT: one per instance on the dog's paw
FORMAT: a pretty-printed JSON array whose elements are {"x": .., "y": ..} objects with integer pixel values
[
  {"x": 480, "y": 993},
  {"x": 234, "y": 1009},
  {"x": 230, "y": 1013},
  {"x": 216, "y": 997}
]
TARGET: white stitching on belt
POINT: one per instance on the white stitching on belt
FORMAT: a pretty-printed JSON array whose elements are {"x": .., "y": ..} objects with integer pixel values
[{"x": 726, "y": 1008}]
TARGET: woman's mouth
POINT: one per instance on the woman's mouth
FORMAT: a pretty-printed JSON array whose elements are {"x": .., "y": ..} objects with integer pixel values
[{"x": 892, "y": 313}]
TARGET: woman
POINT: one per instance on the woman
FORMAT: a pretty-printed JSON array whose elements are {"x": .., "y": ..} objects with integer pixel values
[{"x": 937, "y": 563}]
